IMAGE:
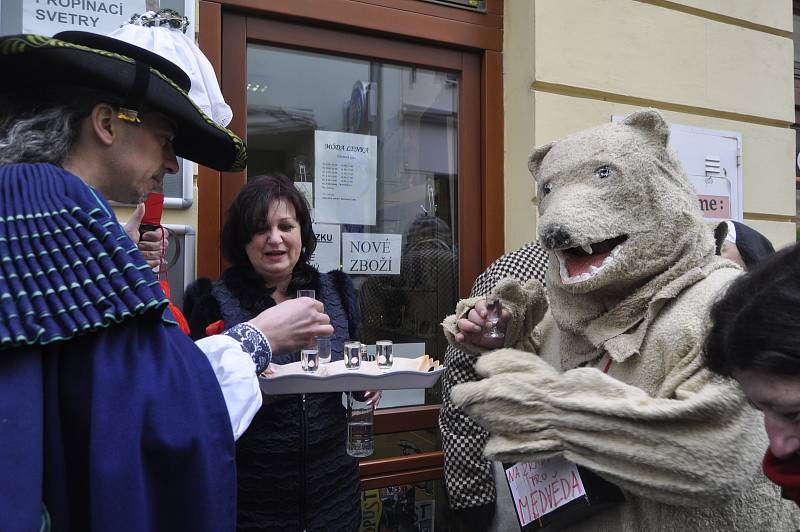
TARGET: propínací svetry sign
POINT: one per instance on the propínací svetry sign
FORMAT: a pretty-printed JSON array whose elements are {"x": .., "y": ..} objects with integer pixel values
[
  {"x": 91, "y": 15},
  {"x": 48, "y": 17}
]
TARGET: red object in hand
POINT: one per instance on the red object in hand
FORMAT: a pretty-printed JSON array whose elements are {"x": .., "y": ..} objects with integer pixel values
[
  {"x": 215, "y": 328},
  {"x": 153, "y": 207}
]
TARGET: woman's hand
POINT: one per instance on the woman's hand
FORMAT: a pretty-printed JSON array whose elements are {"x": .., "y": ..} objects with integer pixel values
[
  {"x": 373, "y": 396},
  {"x": 472, "y": 328},
  {"x": 293, "y": 324}
]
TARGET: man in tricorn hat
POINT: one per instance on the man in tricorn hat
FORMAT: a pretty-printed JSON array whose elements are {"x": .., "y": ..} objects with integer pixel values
[{"x": 110, "y": 417}]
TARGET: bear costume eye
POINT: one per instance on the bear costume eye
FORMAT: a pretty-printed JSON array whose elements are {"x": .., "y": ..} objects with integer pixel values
[
  {"x": 603, "y": 172},
  {"x": 546, "y": 188}
]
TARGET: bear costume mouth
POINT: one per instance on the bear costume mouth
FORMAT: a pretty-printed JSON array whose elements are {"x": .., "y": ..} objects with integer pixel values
[{"x": 581, "y": 263}]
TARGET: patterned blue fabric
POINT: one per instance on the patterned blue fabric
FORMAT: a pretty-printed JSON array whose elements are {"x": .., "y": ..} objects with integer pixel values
[
  {"x": 123, "y": 427},
  {"x": 124, "y": 430},
  {"x": 66, "y": 265},
  {"x": 253, "y": 343}
]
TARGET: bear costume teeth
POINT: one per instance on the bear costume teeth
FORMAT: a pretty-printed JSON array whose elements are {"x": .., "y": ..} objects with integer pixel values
[{"x": 581, "y": 263}]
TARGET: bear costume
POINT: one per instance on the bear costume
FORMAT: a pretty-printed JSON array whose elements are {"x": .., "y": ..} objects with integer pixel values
[{"x": 610, "y": 373}]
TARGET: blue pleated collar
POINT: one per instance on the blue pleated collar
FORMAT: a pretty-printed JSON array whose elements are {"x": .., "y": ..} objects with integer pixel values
[{"x": 66, "y": 265}]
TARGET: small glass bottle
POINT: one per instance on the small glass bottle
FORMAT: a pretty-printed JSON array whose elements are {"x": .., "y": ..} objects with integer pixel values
[
  {"x": 360, "y": 416},
  {"x": 383, "y": 350}
]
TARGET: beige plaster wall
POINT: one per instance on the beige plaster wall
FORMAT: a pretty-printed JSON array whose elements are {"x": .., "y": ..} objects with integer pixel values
[
  {"x": 637, "y": 49},
  {"x": 591, "y": 60},
  {"x": 775, "y": 14},
  {"x": 518, "y": 45}
]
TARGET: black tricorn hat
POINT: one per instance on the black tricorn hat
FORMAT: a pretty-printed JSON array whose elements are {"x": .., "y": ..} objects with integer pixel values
[{"x": 138, "y": 77}]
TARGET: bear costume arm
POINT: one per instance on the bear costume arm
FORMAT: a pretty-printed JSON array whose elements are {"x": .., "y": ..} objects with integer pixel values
[{"x": 697, "y": 449}]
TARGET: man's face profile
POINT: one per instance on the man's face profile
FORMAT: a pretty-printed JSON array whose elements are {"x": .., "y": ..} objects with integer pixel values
[{"x": 142, "y": 155}]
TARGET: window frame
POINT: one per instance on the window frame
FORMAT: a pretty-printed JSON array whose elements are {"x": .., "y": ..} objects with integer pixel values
[{"x": 418, "y": 34}]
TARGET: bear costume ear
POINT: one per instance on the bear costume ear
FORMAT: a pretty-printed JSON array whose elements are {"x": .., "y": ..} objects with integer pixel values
[
  {"x": 535, "y": 159},
  {"x": 651, "y": 122}
]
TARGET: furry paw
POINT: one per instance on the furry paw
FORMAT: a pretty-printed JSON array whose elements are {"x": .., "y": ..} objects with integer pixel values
[
  {"x": 530, "y": 298},
  {"x": 514, "y": 361}
]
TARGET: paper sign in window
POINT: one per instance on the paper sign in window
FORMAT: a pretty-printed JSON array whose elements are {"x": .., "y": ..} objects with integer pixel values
[
  {"x": 328, "y": 253},
  {"x": 371, "y": 253},
  {"x": 345, "y": 177}
]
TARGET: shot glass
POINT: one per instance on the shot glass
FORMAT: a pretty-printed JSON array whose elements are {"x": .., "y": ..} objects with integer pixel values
[
  {"x": 352, "y": 355},
  {"x": 309, "y": 358},
  {"x": 306, "y": 293},
  {"x": 324, "y": 349},
  {"x": 494, "y": 310},
  {"x": 383, "y": 350}
]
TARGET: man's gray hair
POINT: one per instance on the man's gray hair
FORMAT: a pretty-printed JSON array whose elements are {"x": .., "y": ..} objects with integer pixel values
[
  {"x": 44, "y": 137},
  {"x": 41, "y": 124}
]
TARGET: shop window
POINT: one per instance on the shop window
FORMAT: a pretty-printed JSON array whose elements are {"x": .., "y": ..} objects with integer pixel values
[
  {"x": 374, "y": 146},
  {"x": 419, "y": 130}
]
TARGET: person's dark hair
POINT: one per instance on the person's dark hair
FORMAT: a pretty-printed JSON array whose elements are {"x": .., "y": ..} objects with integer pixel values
[
  {"x": 755, "y": 326},
  {"x": 247, "y": 216}
]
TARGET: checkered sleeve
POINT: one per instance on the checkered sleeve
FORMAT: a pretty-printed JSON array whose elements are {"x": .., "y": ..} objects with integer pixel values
[{"x": 468, "y": 475}]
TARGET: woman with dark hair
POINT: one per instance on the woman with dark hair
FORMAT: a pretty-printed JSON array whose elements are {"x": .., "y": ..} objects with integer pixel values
[
  {"x": 292, "y": 468},
  {"x": 755, "y": 338}
]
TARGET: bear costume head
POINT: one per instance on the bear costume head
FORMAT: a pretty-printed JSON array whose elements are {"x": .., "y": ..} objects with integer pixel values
[
  {"x": 620, "y": 221},
  {"x": 616, "y": 207}
]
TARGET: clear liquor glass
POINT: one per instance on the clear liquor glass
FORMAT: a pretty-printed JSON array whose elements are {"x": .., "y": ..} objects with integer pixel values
[
  {"x": 384, "y": 356},
  {"x": 494, "y": 310},
  {"x": 324, "y": 348},
  {"x": 352, "y": 355},
  {"x": 309, "y": 358}
]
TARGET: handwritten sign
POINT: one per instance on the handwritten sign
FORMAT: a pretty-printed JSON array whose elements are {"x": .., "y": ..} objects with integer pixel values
[
  {"x": 345, "y": 177},
  {"x": 538, "y": 488},
  {"x": 328, "y": 253},
  {"x": 715, "y": 206},
  {"x": 371, "y": 253}
]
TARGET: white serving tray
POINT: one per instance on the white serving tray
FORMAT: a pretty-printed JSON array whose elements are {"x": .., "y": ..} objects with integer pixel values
[{"x": 334, "y": 377}]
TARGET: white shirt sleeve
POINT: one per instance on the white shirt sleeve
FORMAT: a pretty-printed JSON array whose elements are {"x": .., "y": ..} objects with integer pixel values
[{"x": 236, "y": 373}]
